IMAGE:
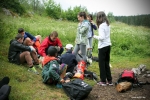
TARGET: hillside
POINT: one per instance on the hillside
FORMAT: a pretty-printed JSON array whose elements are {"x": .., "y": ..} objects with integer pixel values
[{"x": 130, "y": 48}]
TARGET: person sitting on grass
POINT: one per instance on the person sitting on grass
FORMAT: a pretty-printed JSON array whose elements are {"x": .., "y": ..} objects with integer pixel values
[
  {"x": 30, "y": 40},
  {"x": 69, "y": 58},
  {"x": 19, "y": 53},
  {"x": 51, "y": 40},
  {"x": 52, "y": 72}
]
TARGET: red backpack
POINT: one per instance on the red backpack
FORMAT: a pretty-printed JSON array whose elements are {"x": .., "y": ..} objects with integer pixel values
[{"x": 129, "y": 76}]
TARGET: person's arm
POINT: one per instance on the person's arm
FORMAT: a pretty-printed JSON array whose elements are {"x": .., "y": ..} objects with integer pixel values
[
  {"x": 53, "y": 68},
  {"x": 84, "y": 27},
  {"x": 43, "y": 47},
  {"x": 59, "y": 43},
  {"x": 21, "y": 47},
  {"x": 30, "y": 36},
  {"x": 94, "y": 26},
  {"x": 101, "y": 32}
]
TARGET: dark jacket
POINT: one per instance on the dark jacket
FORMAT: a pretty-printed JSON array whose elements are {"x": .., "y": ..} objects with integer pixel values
[
  {"x": 15, "y": 49},
  {"x": 93, "y": 27},
  {"x": 69, "y": 59}
]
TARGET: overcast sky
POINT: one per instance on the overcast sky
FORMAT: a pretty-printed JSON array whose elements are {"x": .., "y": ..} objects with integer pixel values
[{"x": 118, "y": 7}]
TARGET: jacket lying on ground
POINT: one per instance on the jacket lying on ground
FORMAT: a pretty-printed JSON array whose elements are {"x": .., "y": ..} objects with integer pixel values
[
  {"x": 50, "y": 69},
  {"x": 46, "y": 43},
  {"x": 15, "y": 49}
]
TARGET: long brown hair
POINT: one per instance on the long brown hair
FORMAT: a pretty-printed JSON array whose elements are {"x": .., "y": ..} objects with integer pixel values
[{"x": 100, "y": 18}]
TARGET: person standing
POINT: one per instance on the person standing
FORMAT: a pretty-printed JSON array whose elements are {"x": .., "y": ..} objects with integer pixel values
[
  {"x": 104, "y": 48},
  {"x": 81, "y": 35},
  {"x": 90, "y": 35}
]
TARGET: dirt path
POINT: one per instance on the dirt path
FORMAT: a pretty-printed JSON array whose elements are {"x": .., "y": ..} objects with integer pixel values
[{"x": 110, "y": 93}]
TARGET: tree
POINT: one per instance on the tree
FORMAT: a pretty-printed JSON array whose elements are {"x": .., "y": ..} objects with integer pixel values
[
  {"x": 110, "y": 17},
  {"x": 53, "y": 9}
]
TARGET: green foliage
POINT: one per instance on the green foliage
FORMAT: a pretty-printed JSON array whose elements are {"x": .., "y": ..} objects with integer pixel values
[
  {"x": 71, "y": 14},
  {"x": 138, "y": 20},
  {"x": 53, "y": 10},
  {"x": 14, "y": 5},
  {"x": 127, "y": 41},
  {"x": 110, "y": 17},
  {"x": 130, "y": 47}
]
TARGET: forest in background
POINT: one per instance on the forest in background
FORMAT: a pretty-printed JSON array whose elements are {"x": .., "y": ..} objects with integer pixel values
[{"x": 49, "y": 8}]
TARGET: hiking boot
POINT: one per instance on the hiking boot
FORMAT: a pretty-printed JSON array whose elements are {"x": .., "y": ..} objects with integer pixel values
[
  {"x": 110, "y": 83},
  {"x": 102, "y": 83},
  {"x": 33, "y": 70},
  {"x": 59, "y": 85}
]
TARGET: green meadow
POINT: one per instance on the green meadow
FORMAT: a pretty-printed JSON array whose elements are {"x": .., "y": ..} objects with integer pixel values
[{"x": 130, "y": 48}]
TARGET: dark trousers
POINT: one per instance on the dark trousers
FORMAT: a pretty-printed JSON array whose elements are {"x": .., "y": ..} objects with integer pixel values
[
  {"x": 4, "y": 89},
  {"x": 104, "y": 68},
  {"x": 4, "y": 92}
]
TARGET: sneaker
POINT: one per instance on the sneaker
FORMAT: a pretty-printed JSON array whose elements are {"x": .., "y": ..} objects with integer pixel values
[
  {"x": 102, "y": 83},
  {"x": 39, "y": 66},
  {"x": 59, "y": 85},
  {"x": 110, "y": 83},
  {"x": 33, "y": 70}
]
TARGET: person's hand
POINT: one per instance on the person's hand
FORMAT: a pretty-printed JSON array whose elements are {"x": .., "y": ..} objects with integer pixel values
[
  {"x": 32, "y": 49},
  {"x": 58, "y": 48},
  {"x": 92, "y": 22},
  {"x": 31, "y": 43},
  {"x": 62, "y": 80},
  {"x": 94, "y": 36},
  {"x": 79, "y": 23}
]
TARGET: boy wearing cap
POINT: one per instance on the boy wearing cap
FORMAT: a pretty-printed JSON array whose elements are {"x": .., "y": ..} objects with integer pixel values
[
  {"x": 52, "y": 72},
  {"x": 69, "y": 58}
]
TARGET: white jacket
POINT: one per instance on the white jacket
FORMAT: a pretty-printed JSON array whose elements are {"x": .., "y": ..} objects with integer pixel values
[{"x": 104, "y": 36}]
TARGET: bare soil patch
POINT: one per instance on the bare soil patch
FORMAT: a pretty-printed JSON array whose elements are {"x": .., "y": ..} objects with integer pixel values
[{"x": 110, "y": 93}]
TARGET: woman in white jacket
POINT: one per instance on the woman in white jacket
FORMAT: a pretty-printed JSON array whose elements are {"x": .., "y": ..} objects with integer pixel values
[{"x": 104, "y": 48}]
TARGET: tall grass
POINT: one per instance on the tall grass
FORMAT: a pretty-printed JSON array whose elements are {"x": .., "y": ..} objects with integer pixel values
[{"x": 130, "y": 47}]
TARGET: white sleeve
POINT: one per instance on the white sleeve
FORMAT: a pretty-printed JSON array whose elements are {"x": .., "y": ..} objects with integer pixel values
[{"x": 101, "y": 33}]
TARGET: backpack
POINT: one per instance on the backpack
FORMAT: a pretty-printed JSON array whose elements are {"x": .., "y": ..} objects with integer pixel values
[
  {"x": 80, "y": 70},
  {"x": 77, "y": 89},
  {"x": 129, "y": 76},
  {"x": 90, "y": 75}
]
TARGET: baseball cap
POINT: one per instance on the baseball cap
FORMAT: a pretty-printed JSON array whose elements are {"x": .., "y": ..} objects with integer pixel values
[{"x": 69, "y": 46}]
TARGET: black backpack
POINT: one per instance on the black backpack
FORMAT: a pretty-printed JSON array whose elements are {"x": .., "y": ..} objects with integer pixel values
[{"x": 77, "y": 89}]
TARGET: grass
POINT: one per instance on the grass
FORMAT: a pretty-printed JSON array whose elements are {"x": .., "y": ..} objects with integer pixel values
[{"x": 130, "y": 48}]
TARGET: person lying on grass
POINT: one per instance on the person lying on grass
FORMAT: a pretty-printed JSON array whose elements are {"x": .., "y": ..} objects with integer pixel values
[
  {"x": 30, "y": 40},
  {"x": 19, "y": 53},
  {"x": 52, "y": 72}
]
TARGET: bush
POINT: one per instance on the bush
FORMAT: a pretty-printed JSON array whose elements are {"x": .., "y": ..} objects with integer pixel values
[{"x": 14, "y": 5}]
